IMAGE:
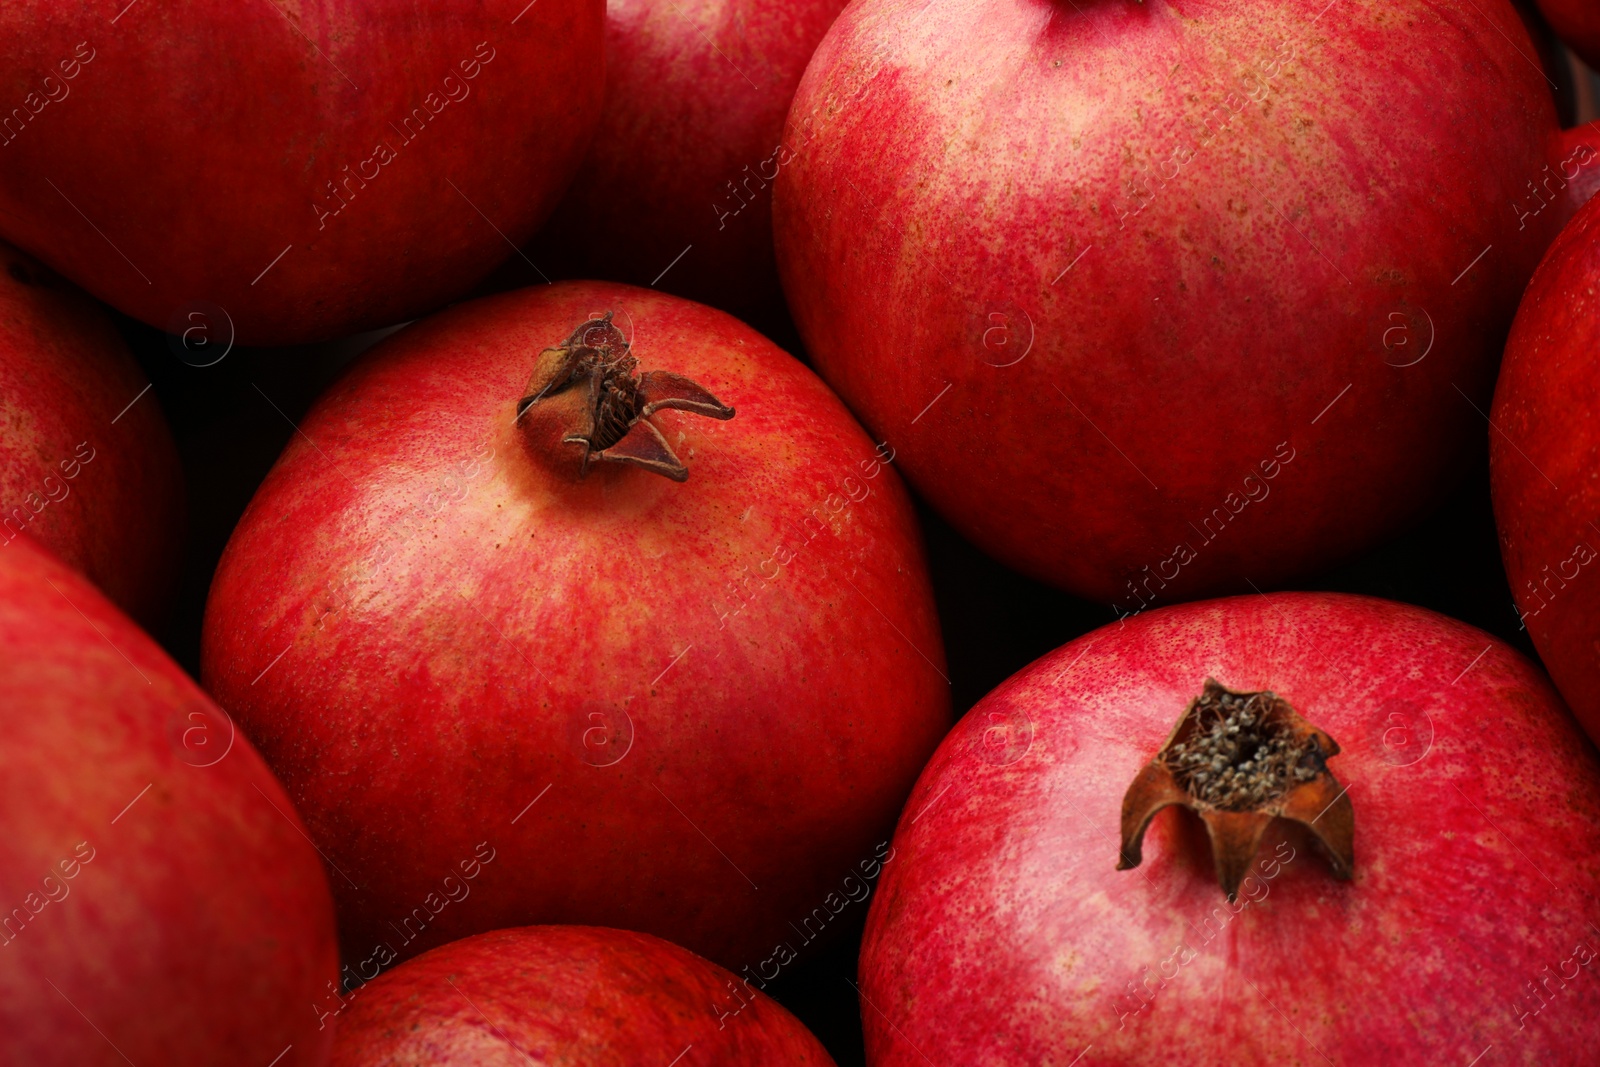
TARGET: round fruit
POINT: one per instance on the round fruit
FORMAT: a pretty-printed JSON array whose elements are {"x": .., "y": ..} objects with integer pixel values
[
  {"x": 567, "y": 994},
  {"x": 86, "y": 463},
  {"x": 676, "y": 186},
  {"x": 1407, "y": 814},
  {"x": 1156, "y": 298},
  {"x": 1542, "y": 458},
  {"x": 293, "y": 172},
  {"x": 160, "y": 901},
  {"x": 475, "y": 621}
]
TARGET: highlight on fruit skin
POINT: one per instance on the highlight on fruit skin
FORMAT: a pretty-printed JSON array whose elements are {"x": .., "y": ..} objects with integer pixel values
[
  {"x": 566, "y": 995},
  {"x": 1239, "y": 760},
  {"x": 506, "y": 627},
  {"x": 609, "y": 404},
  {"x": 1003, "y": 935}
]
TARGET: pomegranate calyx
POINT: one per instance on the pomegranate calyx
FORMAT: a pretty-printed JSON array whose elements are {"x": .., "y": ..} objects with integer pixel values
[
  {"x": 606, "y": 404},
  {"x": 1239, "y": 760}
]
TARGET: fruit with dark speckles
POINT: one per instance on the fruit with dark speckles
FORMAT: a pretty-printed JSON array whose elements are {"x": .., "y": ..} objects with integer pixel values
[
  {"x": 684, "y": 707},
  {"x": 567, "y": 995},
  {"x": 159, "y": 902},
  {"x": 1543, "y": 462},
  {"x": 677, "y": 186},
  {"x": 87, "y": 466},
  {"x": 1004, "y": 933},
  {"x": 1208, "y": 304},
  {"x": 311, "y": 169}
]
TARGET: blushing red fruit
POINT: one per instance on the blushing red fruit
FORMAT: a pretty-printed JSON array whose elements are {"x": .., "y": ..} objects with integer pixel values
[
  {"x": 1578, "y": 24},
  {"x": 688, "y": 145},
  {"x": 363, "y": 163},
  {"x": 160, "y": 901},
  {"x": 1096, "y": 269},
  {"x": 687, "y": 709},
  {"x": 1003, "y": 934},
  {"x": 567, "y": 994},
  {"x": 87, "y": 465},
  {"x": 1542, "y": 459}
]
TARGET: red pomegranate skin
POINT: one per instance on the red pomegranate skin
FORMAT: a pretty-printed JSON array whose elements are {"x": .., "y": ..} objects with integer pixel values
[
  {"x": 1095, "y": 269},
  {"x": 161, "y": 901},
  {"x": 1578, "y": 23},
  {"x": 1003, "y": 934},
  {"x": 87, "y": 465},
  {"x": 1542, "y": 460},
  {"x": 686, "y": 709},
  {"x": 310, "y": 169},
  {"x": 567, "y": 995},
  {"x": 689, "y": 143}
]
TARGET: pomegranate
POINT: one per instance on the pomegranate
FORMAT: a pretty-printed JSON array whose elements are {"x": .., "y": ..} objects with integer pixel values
[
  {"x": 161, "y": 903},
  {"x": 523, "y": 598},
  {"x": 363, "y": 163},
  {"x": 1542, "y": 453},
  {"x": 1578, "y": 23},
  {"x": 1384, "y": 848},
  {"x": 567, "y": 994},
  {"x": 1162, "y": 298},
  {"x": 87, "y": 465},
  {"x": 675, "y": 191}
]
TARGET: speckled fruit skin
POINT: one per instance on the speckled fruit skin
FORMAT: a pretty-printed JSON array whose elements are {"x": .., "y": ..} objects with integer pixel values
[
  {"x": 429, "y": 624},
  {"x": 560, "y": 995},
  {"x": 1578, "y": 23},
  {"x": 689, "y": 143},
  {"x": 95, "y": 480},
  {"x": 1091, "y": 267},
  {"x": 454, "y": 121},
  {"x": 160, "y": 901},
  {"x": 1543, "y": 461},
  {"x": 1004, "y": 935}
]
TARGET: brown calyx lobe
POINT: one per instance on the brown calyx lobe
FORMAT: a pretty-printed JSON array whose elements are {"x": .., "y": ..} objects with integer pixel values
[
  {"x": 1239, "y": 760},
  {"x": 591, "y": 381}
]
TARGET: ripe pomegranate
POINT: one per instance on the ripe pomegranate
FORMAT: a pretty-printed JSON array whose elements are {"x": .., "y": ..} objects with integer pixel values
[
  {"x": 1578, "y": 23},
  {"x": 567, "y": 994},
  {"x": 675, "y": 189},
  {"x": 159, "y": 901},
  {"x": 363, "y": 163},
  {"x": 474, "y": 621},
  {"x": 1406, "y": 814},
  {"x": 1168, "y": 297},
  {"x": 86, "y": 463},
  {"x": 1542, "y": 455}
]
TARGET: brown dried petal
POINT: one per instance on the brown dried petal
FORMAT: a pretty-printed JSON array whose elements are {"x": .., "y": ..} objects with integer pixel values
[
  {"x": 605, "y": 406},
  {"x": 1239, "y": 760}
]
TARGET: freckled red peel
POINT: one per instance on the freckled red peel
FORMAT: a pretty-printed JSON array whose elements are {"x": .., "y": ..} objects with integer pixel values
[
  {"x": 1236, "y": 816},
  {"x": 605, "y": 408}
]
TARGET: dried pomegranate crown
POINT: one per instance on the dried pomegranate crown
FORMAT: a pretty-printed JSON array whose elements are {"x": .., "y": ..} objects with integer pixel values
[
  {"x": 1239, "y": 760},
  {"x": 608, "y": 406}
]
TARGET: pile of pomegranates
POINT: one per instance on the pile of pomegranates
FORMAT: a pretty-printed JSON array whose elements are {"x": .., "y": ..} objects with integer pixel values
[{"x": 666, "y": 532}]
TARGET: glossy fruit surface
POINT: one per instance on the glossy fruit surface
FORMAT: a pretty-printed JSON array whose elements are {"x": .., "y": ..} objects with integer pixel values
[
  {"x": 161, "y": 902},
  {"x": 685, "y": 708},
  {"x": 1004, "y": 934},
  {"x": 87, "y": 465},
  {"x": 688, "y": 146},
  {"x": 1098, "y": 271},
  {"x": 362, "y": 163},
  {"x": 567, "y": 995},
  {"x": 1542, "y": 460}
]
